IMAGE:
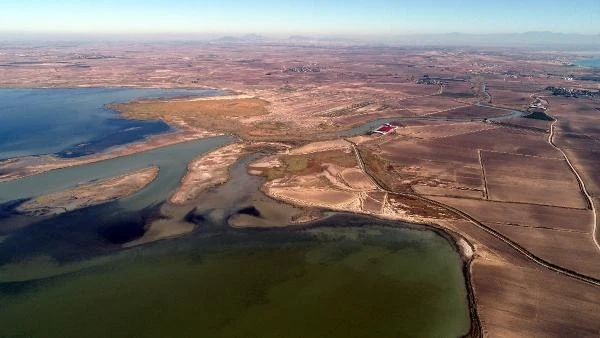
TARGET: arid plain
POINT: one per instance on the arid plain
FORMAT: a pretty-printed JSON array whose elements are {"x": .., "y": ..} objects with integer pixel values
[{"x": 517, "y": 192}]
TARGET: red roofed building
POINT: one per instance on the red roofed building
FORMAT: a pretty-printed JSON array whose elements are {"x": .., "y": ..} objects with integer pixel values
[{"x": 385, "y": 129}]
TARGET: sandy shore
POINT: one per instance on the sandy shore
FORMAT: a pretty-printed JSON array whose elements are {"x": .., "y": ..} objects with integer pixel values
[
  {"x": 212, "y": 169},
  {"x": 327, "y": 175},
  {"x": 89, "y": 194},
  {"x": 206, "y": 171},
  {"x": 16, "y": 168}
]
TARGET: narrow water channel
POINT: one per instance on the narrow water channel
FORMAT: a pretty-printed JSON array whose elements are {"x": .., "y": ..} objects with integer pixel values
[{"x": 342, "y": 276}]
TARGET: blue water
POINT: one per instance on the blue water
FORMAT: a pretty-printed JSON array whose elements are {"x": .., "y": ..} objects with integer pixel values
[
  {"x": 594, "y": 63},
  {"x": 72, "y": 122}
]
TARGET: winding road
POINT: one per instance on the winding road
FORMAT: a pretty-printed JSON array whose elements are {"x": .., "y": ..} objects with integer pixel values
[
  {"x": 586, "y": 194},
  {"x": 537, "y": 260}
]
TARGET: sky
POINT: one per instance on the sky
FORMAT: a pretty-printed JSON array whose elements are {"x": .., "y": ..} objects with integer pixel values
[{"x": 285, "y": 17}]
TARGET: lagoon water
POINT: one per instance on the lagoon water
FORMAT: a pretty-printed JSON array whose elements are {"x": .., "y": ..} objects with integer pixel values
[
  {"x": 171, "y": 160},
  {"x": 73, "y": 122},
  {"x": 364, "y": 281},
  {"x": 343, "y": 276}
]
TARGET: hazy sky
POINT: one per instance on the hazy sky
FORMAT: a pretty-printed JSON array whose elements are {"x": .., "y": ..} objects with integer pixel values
[{"x": 353, "y": 17}]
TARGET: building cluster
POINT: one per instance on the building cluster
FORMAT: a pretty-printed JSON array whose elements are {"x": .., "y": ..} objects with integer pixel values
[
  {"x": 303, "y": 69},
  {"x": 572, "y": 92},
  {"x": 429, "y": 81},
  {"x": 93, "y": 56},
  {"x": 440, "y": 81},
  {"x": 538, "y": 105}
]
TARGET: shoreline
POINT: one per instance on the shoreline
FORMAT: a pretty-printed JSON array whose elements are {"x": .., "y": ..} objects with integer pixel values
[
  {"x": 89, "y": 194},
  {"x": 460, "y": 244},
  {"x": 207, "y": 176},
  {"x": 454, "y": 239},
  {"x": 51, "y": 162},
  {"x": 17, "y": 167}
]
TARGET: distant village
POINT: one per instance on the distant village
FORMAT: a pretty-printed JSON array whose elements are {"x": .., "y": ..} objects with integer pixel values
[
  {"x": 429, "y": 80},
  {"x": 572, "y": 92},
  {"x": 303, "y": 69}
]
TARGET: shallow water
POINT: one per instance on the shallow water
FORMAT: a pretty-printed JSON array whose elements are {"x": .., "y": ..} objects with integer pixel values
[
  {"x": 346, "y": 275},
  {"x": 365, "y": 280},
  {"x": 172, "y": 161},
  {"x": 72, "y": 122}
]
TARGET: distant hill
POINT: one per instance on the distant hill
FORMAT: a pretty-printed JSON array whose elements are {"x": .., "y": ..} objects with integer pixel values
[
  {"x": 299, "y": 38},
  {"x": 241, "y": 39},
  {"x": 514, "y": 39}
]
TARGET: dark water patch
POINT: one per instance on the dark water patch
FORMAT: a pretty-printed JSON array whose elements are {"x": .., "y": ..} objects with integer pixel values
[
  {"x": 127, "y": 131},
  {"x": 538, "y": 116},
  {"x": 15, "y": 288},
  {"x": 171, "y": 160},
  {"x": 8, "y": 209},
  {"x": 123, "y": 232},
  {"x": 194, "y": 217},
  {"x": 132, "y": 227},
  {"x": 589, "y": 78},
  {"x": 345, "y": 275},
  {"x": 74, "y": 121},
  {"x": 251, "y": 211},
  {"x": 321, "y": 282},
  {"x": 76, "y": 235}
]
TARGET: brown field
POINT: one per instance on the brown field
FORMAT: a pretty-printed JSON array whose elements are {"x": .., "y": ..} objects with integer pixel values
[
  {"x": 510, "y": 98},
  {"x": 430, "y": 105},
  {"x": 579, "y": 134},
  {"x": 529, "y": 179},
  {"x": 528, "y": 302},
  {"x": 533, "y": 124},
  {"x": 438, "y": 129},
  {"x": 507, "y": 140},
  {"x": 518, "y": 299},
  {"x": 405, "y": 90},
  {"x": 471, "y": 112},
  {"x": 573, "y": 250},
  {"x": 561, "y": 236},
  {"x": 514, "y": 296},
  {"x": 415, "y": 159},
  {"x": 524, "y": 215}
]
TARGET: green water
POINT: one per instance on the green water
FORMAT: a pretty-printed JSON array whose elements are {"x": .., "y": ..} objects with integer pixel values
[{"x": 326, "y": 282}]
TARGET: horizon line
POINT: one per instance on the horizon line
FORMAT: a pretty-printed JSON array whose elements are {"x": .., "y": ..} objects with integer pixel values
[{"x": 290, "y": 34}]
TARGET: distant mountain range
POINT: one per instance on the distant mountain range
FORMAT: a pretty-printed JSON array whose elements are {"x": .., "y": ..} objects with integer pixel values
[
  {"x": 516, "y": 39},
  {"x": 448, "y": 39},
  {"x": 533, "y": 39}
]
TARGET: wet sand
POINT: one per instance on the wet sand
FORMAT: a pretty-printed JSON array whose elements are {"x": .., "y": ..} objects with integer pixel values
[{"x": 89, "y": 194}]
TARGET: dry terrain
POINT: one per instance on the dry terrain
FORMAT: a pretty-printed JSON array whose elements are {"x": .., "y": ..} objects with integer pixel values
[
  {"x": 217, "y": 114},
  {"x": 520, "y": 194}
]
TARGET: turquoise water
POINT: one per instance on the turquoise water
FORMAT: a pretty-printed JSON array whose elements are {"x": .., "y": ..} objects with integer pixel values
[
  {"x": 343, "y": 276},
  {"x": 72, "y": 122},
  {"x": 594, "y": 63},
  {"x": 171, "y": 160}
]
